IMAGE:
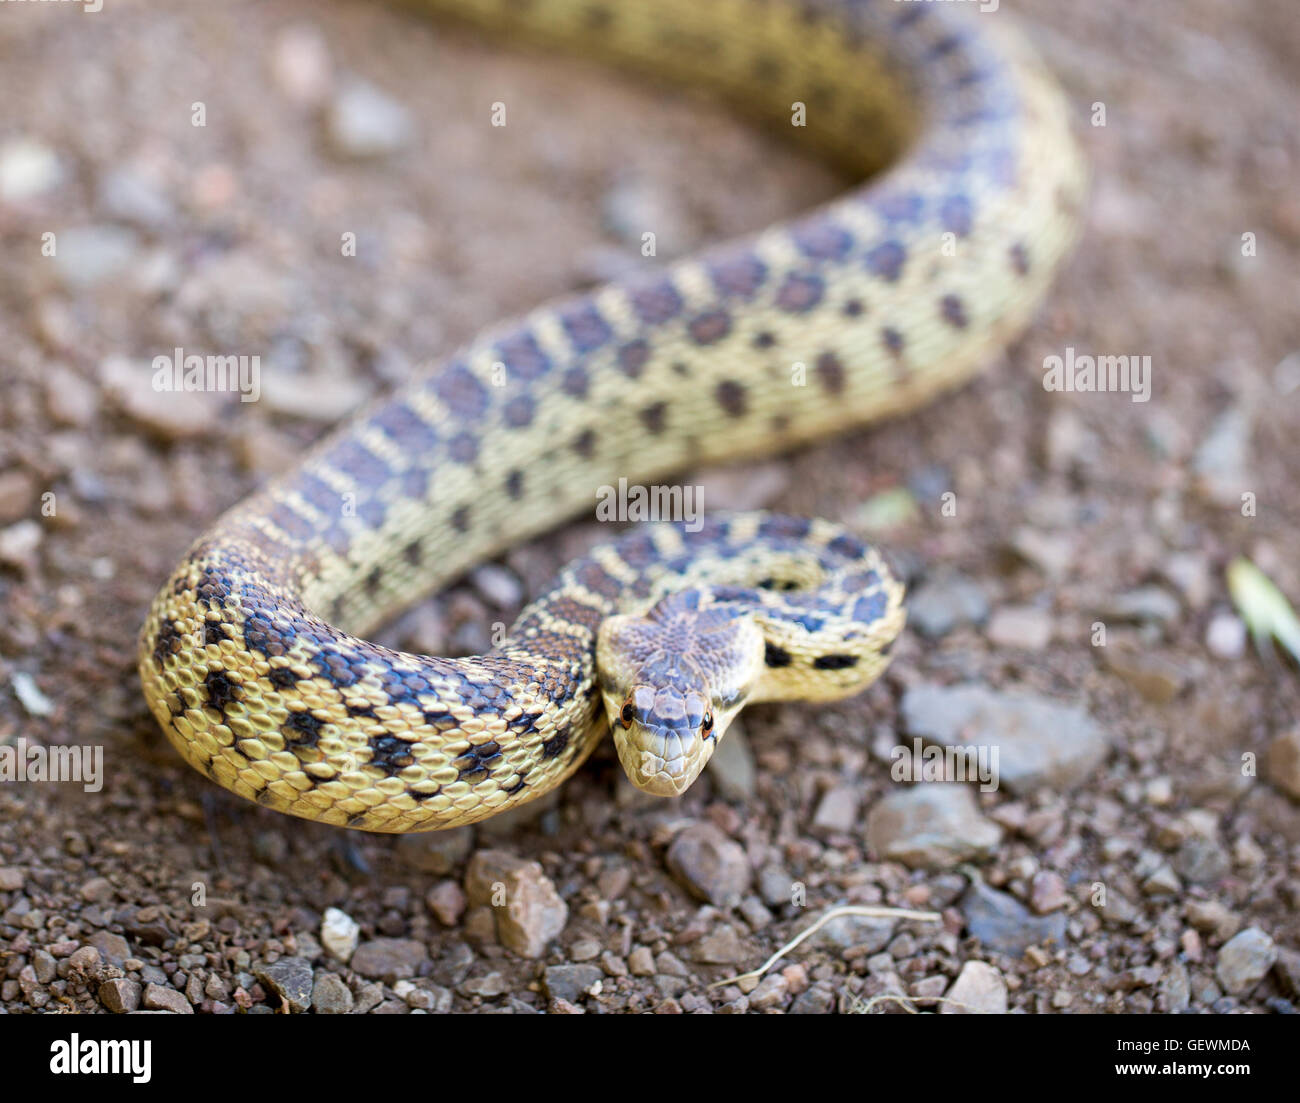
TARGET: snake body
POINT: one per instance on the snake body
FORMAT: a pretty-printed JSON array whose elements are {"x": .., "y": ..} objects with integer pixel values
[{"x": 253, "y": 656}]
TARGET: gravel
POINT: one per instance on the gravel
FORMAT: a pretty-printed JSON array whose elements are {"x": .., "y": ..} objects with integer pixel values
[
  {"x": 978, "y": 990},
  {"x": 1040, "y": 742},
  {"x": 930, "y": 826},
  {"x": 709, "y": 865},
  {"x": 1064, "y": 504}
]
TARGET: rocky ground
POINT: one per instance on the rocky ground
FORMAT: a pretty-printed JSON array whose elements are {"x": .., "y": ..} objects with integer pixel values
[{"x": 1143, "y": 850}]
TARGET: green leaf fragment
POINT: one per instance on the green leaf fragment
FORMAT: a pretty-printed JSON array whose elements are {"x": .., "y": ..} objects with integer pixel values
[{"x": 1263, "y": 607}]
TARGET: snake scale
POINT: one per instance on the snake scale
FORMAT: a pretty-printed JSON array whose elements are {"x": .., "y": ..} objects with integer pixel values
[{"x": 254, "y": 658}]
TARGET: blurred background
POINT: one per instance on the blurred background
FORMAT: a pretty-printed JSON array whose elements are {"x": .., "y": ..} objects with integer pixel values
[{"x": 201, "y": 168}]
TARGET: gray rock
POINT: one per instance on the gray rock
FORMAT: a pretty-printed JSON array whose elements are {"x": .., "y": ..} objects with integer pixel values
[
  {"x": 709, "y": 865},
  {"x": 363, "y": 122},
  {"x": 1245, "y": 960},
  {"x": 330, "y": 996},
  {"x": 1019, "y": 627},
  {"x": 942, "y": 603},
  {"x": 1175, "y": 989},
  {"x": 670, "y": 986},
  {"x": 671, "y": 965},
  {"x": 98, "y": 890},
  {"x": 1040, "y": 742},
  {"x": 633, "y": 207},
  {"x": 641, "y": 962},
  {"x": 930, "y": 826},
  {"x": 1214, "y": 918},
  {"x": 446, "y": 901},
  {"x": 498, "y": 585},
  {"x": 158, "y": 998},
  {"x": 1155, "y": 677},
  {"x": 1202, "y": 861},
  {"x": 837, "y": 811},
  {"x": 732, "y": 767},
  {"x": 1287, "y": 968},
  {"x": 45, "y": 966},
  {"x": 113, "y": 947},
  {"x": 1283, "y": 762},
  {"x": 721, "y": 946},
  {"x": 489, "y": 985},
  {"x": 389, "y": 959},
  {"x": 91, "y": 255},
  {"x": 754, "y": 913},
  {"x": 529, "y": 912},
  {"x": 776, "y": 886},
  {"x": 120, "y": 995},
  {"x": 1222, "y": 461},
  {"x": 817, "y": 1000},
  {"x": 570, "y": 982},
  {"x": 1047, "y": 892},
  {"x": 1146, "y": 603},
  {"x": 129, "y": 196},
  {"x": 978, "y": 990},
  {"x": 772, "y": 991},
  {"x": 1052, "y": 553},
  {"x": 865, "y": 934},
  {"x": 453, "y": 964},
  {"x": 1005, "y": 925},
  {"x": 289, "y": 978}
]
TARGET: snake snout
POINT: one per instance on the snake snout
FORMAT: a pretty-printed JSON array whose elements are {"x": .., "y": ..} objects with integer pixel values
[{"x": 664, "y": 737}]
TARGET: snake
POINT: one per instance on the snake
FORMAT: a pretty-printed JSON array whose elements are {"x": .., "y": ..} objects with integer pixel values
[{"x": 254, "y": 657}]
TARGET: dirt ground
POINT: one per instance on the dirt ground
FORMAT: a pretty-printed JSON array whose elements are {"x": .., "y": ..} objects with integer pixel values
[{"x": 163, "y": 892}]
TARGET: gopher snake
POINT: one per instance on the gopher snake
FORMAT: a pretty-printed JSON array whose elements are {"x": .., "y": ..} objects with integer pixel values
[{"x": 863, "y": 308}]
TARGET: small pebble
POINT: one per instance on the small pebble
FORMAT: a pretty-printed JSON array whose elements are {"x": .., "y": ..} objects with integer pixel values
[
  {"x": 1245, "y": 960},
  {"x": 339, "y": 933},
  {"x": 978, "y": 990},
  {"x": 709, "y": 865},
  {"x": 363, "y": 122}
]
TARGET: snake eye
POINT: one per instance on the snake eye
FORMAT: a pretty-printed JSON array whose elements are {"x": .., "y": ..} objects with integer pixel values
[
  {"x": 628, "y": 714},
  {"x": 707, "y": 726}
]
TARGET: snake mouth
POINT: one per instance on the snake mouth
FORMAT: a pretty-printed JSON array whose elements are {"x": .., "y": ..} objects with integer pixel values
[{"x": 662, "y": 763}]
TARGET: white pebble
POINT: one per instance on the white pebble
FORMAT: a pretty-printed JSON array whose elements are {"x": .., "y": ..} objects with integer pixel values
[
  {"x": 339, "y": 933},
  {"x": 30, "y": 695},
  {"x": 1225, "y": 636},
  {"x": 27, "y": 169},
  {"x": 363, "y": 122}
]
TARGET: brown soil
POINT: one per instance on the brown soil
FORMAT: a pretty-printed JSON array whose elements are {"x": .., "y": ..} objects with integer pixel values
[{"x": 236, "y": 249}]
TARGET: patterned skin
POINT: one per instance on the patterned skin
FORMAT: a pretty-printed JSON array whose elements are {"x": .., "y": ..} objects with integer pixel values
[{"x": 254, "y": 657}]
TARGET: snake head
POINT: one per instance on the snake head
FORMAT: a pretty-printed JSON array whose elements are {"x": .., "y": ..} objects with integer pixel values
[{"x": 672, "y": 680}]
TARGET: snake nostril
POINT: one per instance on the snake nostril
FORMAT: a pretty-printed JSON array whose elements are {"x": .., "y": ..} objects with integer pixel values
[{"x": 628, "y": 714}]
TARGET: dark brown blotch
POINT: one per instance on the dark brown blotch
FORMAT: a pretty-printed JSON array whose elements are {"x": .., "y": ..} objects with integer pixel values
[
  {"x": 953, "y": 311},
  {"x": 800, "y": 292},
  {"x": 520, "y": 410},
  {"x": 830, "y": 372},
  {"x": 710, "y": 327},
  {"x": 654, "y": 416},
  {"x": 731, "y": 397},
  {"x": 886, "y": 260},
  {"x": 632, "y": 357}
]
